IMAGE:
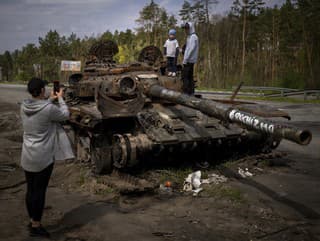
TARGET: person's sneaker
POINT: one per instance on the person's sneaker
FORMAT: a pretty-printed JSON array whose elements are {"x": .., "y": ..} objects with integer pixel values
[
  {"x": 174, "y": 74},
  {"x": 170, "y": 73},
  {"x": 39, "y": 232}
]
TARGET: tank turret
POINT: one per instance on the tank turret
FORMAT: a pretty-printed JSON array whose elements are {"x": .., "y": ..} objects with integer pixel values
[{"x": 125, "y": 114}]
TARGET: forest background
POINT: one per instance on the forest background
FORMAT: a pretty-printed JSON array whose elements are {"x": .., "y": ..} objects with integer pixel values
[{"x": 260, "y": 45}]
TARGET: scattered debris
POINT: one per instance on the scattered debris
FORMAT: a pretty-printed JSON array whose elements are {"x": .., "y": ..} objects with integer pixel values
[
  {"x": 258, "y": 169},
  {"x": 163, "y": 189},
  {"x": 168, "y": 184},
  {"x": 214, "y": 178},
  {"x": 194, "y": 181},
  {"x": 196, "y": 191},
  {"x": 7, "y": 168},
  {"x": 244, "y": 173}
]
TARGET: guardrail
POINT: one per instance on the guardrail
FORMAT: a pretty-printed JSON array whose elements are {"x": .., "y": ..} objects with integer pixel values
[
  {"x": 264, "y": 88},
  {"x": 283, "y": 92},
  {"x": 259, "y": 91},
  {"x": 305, "y": 94}
]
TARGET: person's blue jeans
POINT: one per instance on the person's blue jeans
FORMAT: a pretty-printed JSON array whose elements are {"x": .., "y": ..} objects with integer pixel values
[{"x": 171, "y": 64}]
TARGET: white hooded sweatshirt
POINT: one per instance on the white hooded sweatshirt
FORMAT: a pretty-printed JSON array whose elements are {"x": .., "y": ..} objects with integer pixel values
[
  {"x": 44, "y": 139},
  {"x": 192, "y": 46}
]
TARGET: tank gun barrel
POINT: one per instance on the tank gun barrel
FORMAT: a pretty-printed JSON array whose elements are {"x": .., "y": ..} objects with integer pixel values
[{"x": 228, "y": 113}]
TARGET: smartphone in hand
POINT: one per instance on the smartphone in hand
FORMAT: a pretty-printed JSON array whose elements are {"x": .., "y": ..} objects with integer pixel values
[{"x": 56, "y": 86}]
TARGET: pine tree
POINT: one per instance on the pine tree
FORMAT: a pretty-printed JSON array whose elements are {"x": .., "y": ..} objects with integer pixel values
[
  {"x": 245, "y": 9},
  {"x": 198, "y": 12},
  {"x": 149, "y": 20},
  {"x": 186, "y": 12},
  {"x": 7, "y": 65},
  {"x": 309, "y": 12}
]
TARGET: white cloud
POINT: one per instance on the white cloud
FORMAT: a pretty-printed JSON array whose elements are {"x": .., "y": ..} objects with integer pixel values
[{"x": 23, "y": 21}]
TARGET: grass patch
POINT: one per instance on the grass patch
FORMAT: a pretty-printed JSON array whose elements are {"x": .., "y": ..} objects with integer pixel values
[
  {"x": 265, "y": 163},
  {"x": 176, "y": 176},
  {"x": 104, "y": 191},
  {"x": 222, "y": 191},
  {"x": 228, "y": 163},
  {"x": 82, "y": 177}
]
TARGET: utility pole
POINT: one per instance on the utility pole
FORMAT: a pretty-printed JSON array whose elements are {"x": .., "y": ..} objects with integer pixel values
[{"x": 0, "y": 73}]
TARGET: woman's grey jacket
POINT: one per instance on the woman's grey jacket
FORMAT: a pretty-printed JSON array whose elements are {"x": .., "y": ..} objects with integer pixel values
[{"x": 44, "y": 139}]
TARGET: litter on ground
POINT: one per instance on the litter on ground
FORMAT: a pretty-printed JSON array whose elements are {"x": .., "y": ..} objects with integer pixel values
[
  {"x": 193, "y": 182},
  {"x": 244, "y": 173}
]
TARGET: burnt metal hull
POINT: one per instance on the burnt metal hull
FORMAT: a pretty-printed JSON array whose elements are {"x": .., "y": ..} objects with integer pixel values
[
  {"x": 160, "y": 132},
  {"x": 123, "y": 115}
]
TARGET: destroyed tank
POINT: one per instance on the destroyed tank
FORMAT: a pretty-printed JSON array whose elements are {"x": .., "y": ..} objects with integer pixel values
[{"x": 122, "y": 115}]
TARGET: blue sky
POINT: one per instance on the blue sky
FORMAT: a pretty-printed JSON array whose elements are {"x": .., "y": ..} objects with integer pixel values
[{"x": 24, "y": 21}]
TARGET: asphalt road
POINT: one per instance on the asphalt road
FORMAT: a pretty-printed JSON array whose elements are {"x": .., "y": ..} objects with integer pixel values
[
  {"x": 307, "y": 158},
  {"x": 13, "y": 94},
  {"x": 292, "y": 190}
]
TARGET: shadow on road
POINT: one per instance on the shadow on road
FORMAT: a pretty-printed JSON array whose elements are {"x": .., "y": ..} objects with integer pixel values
[{"x": 305, "y": 211}]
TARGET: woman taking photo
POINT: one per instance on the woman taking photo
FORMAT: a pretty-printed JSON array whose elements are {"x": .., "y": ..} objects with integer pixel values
[{"x": 44, "y": 141}]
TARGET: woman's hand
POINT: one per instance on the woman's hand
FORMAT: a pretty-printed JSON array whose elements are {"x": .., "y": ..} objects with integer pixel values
[
  {"x": 60, "y": 93},
  {"x": 56, "y": 95}
]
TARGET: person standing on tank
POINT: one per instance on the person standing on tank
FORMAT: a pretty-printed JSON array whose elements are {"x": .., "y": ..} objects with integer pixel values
[
  {"x": 190, "y": 57},
  {"x": 44, "y": 141},
  {"x": 171, "y": 51}
]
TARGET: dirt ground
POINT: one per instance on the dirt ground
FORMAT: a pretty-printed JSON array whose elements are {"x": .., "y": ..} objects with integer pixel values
[{"x": 280, "y": 202}]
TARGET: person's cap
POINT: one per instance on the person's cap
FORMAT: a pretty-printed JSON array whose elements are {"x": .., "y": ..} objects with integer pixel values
[
  {"x": 34, "y": 85},
  {"x": 172, "y": 32}
]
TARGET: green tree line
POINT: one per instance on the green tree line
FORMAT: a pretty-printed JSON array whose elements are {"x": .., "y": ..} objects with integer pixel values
[{"x": 260, "y": 45}]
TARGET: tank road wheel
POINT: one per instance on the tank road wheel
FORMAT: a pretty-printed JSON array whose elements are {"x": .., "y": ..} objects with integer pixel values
[{"x": 101, "y": 157}]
